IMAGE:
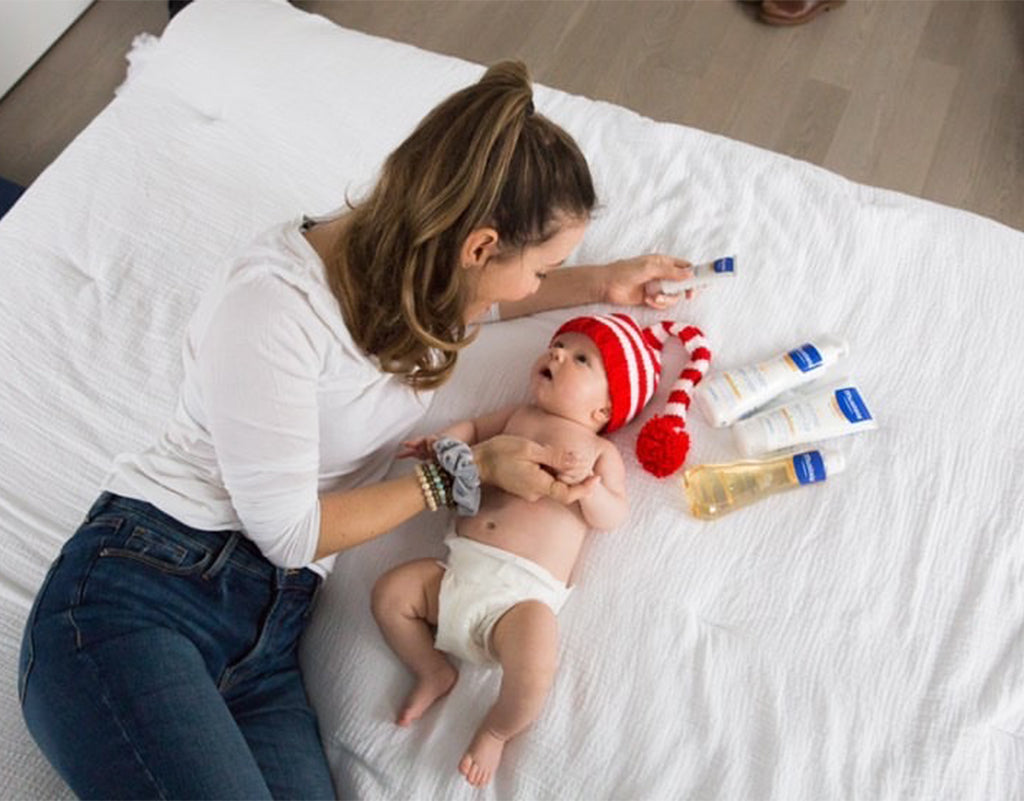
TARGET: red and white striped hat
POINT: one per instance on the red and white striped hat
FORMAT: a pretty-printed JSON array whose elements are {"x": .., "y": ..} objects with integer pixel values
[{"x": 632, "y": 362}]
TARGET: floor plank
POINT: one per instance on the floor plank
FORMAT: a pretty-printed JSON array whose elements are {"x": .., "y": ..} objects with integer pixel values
[{"x": 922, "y": 96}]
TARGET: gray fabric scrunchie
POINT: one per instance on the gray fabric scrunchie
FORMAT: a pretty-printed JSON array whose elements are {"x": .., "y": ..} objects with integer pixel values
[{"x": 456, "y": 459}]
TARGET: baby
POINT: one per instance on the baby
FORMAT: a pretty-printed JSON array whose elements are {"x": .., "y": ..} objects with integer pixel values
[{"x": 508, "y": 568}]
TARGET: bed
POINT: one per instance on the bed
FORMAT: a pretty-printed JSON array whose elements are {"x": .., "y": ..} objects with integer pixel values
[{"x": 859, "y": 639}]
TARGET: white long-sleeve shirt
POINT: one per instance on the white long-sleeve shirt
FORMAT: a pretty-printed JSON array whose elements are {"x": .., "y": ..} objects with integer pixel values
[{"x": 277, "y": 404}]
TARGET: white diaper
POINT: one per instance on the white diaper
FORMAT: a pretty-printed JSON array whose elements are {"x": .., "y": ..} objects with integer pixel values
[{"x": 481, "y": 583}]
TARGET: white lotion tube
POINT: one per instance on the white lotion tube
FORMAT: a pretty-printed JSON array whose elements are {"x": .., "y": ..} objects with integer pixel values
[
  {"x": 834, "y": 413},
  {"x": 726, "y": 396},
  {"x": 703, "y": 275}
]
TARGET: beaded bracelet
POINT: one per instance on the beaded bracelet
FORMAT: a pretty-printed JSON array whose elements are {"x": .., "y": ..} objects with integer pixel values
[
  {"x": 436, "y": 486},
  {"x": 428, "y": 496},
  {"x": 440, "y": 484}
]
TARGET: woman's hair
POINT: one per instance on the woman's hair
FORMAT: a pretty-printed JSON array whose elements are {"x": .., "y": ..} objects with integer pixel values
[{"x": 481, "y": 158}]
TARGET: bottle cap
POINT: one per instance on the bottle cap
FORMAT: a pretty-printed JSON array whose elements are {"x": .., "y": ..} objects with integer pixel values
[
  {"x": 834, "y": 461},
  {"x": 724, "y": 266},
  {"x": 750, "y": 437},
  {"x": 715, "y": 416},
  {"x": 841, "y": 344}
]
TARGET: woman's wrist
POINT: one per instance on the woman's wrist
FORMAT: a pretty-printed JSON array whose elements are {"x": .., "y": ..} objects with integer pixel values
[
  {"x": 479, "y": 454},
  {"x": 596, "y": 287},
  {"x": 436, "y": 486},
  {"x": 454, "y": 460},
  {"x": 585, "y": 283}
]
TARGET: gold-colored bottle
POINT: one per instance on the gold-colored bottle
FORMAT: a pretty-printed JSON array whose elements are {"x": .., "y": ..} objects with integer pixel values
[{"x": 716, "y": 489}]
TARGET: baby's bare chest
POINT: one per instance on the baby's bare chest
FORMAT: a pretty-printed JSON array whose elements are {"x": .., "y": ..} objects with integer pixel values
[{"x": 563, "y": 436}]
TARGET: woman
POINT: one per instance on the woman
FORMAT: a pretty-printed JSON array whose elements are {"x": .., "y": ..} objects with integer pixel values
[{"x": 160, "y": 658}]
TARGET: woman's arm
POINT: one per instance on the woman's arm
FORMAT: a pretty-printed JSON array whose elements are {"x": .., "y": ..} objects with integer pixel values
[
  {"x": 351, "y": 517},
  {"x": 621, "y": 283},
  {"x": 469, "y": 431},
  {"x": 479, "y": 428}
]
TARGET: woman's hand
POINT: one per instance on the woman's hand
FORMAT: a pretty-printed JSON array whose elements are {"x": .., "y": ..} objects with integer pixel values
[
  {"x": 626, "y": 280},
  {"x": 517, "y": 465},
  {"x": 581, "y": 468}
]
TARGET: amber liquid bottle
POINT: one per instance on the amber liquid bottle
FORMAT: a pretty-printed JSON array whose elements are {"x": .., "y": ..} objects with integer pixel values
[{"x": 713, "y": 490}]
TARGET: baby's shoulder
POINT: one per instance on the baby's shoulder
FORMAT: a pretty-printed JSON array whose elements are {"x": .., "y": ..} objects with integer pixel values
[{"x": 606, "y": 447}]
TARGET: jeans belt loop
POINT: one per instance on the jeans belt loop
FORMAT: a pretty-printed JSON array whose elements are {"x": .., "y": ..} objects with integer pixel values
[{"x": 222, "y": 557}]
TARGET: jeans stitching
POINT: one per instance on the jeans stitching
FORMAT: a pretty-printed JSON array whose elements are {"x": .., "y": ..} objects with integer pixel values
[
  {"x": 105, "y": 697},
  {"x": 229, "y": 677},
  {"x": 29, "y": 630},
  {"x": 223, "y": 557},
  {"x": 176, "y": 529},
  {"x": 79, "y": 597},
  {"x": 156, "y": 564}
]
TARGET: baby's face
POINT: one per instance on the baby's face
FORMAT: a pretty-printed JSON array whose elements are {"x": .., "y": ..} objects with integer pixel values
[{"x": 569, "y": 380}]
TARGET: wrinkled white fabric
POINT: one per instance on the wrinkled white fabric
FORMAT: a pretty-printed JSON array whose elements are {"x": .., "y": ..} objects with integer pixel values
[
  {"x": 862, "y": 638},
  {"x": 277, "y": 404}
]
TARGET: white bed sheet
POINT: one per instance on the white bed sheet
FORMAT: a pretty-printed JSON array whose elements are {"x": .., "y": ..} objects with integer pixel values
[{"x": 863, "y": 639}]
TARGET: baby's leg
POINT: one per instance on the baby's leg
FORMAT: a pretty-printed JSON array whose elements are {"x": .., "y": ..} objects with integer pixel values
[
  {"x": 405, "y": 603},
  {"x": 525, "y": 641}
]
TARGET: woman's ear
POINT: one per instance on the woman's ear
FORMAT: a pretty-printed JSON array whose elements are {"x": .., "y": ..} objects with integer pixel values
[{"x": 480, "y": 246}]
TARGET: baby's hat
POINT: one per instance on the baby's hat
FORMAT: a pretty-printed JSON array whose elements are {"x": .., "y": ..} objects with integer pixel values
[{"x": 632, "y": 362}]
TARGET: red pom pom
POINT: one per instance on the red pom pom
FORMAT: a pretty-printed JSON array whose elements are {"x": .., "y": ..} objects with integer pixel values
[{"x": 663, "y": 444}]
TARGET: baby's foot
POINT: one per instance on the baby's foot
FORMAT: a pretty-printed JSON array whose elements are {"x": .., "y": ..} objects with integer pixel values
[
  {"x": 427, "y": 690},
  {"x": 482, "y": 758}
]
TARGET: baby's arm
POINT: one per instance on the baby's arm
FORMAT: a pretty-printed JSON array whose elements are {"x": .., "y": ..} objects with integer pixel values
[
  {"x": 606, "y": 506},
  {"x": 469, "y": 431},
  {"x": 481, "y": 428}
]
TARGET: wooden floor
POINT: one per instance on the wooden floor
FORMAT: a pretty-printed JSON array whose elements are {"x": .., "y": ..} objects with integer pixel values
[{"x": 922, "y": 96}]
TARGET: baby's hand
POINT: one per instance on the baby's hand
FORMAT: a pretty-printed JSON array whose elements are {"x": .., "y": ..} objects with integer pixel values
[
  {"x": 571, "y": 493},
  {"x": 579, "y": 468},
  {"x": 574, "y": 476},
  {"x": 422, "y": 448}
]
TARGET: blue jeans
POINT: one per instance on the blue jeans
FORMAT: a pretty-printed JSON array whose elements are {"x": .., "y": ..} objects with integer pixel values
[{"x": 160, "y": 661}]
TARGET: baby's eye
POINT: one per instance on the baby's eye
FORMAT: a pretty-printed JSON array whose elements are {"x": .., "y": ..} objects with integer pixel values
[
  {"x": 581, "y": 358},
  {"x": 541, "y": 276}
]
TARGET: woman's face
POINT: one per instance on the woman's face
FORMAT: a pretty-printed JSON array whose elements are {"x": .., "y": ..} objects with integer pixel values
[{"x": 518, "y": 275}]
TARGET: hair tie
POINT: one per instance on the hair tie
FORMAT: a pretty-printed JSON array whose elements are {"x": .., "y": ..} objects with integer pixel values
[{"x": 457, "y": 460}]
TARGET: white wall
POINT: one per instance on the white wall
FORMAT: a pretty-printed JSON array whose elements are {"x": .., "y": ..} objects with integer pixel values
[{"x": 27, "y": 29}]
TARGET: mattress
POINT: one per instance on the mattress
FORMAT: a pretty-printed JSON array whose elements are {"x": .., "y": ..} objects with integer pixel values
[{"x": 859, "y": 639}]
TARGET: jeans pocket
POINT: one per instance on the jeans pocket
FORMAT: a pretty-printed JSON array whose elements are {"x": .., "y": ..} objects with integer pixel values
[
  {"x": 27, "y": 656},
  {"x": 174, "y": 555}
]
